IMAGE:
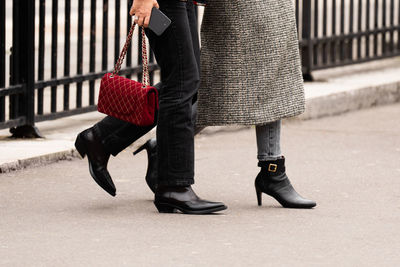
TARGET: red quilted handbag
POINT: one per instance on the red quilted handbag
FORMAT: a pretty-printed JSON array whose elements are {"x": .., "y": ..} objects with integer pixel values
[{"x": 126, "y": 99}]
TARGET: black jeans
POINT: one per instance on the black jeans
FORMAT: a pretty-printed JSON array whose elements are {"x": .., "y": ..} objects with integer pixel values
[{"x": 178, "y": 55}]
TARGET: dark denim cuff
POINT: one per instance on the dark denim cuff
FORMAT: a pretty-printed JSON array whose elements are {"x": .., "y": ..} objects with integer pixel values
[{"x": 176, "y": 182}]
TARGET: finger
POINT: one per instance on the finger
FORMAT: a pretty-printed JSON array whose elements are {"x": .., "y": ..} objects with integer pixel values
[
  {"x": 132, "y": 12},
  {"x": 140, "y": 21},
  {"x": 135, "y": 19},
  {"x": 146, "y": 21},
  {"x": 156, "y": 4}
]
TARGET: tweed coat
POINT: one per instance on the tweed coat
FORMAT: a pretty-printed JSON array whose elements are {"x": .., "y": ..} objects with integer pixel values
[{"x": 250, "y": 64}]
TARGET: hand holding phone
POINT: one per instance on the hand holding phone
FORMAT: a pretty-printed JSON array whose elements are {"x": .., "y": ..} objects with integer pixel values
[{"x": 142, "y": 11}]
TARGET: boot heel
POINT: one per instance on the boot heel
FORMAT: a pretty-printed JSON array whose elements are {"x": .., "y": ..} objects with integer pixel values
[
  {"x": 259, "y": 196},
  {"x": 80, "y": 146},
  {"x": 163, "y": 208},
  {"x": 140, "y": 148}
]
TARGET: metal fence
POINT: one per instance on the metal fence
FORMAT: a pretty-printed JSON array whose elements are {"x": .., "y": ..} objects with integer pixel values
[
  {"x": 53, "y": 53},
  {"x": 47, "y": 70},
  {"x": 342, "y": 32}
]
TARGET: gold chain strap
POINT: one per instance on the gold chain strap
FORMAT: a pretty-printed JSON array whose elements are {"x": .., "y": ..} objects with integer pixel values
[{"x": 145, "y": 73}]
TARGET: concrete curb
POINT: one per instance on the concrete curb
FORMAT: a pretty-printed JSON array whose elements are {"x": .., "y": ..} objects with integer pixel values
[
  {"x": 317, "y": 107},
  {"x": 338, "y": 103},
  {"x": 39, "y": 160}
]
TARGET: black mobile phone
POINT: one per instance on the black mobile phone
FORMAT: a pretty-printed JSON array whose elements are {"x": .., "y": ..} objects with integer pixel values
[{"x": 159, "y": 22}]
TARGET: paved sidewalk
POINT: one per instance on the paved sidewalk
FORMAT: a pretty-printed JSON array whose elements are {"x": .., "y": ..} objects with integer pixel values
[{"x": 55, "y": 215}]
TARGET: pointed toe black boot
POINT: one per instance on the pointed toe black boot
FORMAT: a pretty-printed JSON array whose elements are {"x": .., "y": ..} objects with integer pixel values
[
  {"x": 170, "y": 199},
  {"x": 87, "y": 143},
  {"x": 152, "y": 173},
  {"x": 272, "y": 180}
]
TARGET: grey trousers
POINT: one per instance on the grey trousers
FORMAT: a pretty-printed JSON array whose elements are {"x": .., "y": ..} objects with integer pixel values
[{"x": 268, "y": 141}]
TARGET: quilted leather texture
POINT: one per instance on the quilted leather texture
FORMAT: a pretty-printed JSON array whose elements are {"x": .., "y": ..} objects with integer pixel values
[{"x": 127, "y": 100}]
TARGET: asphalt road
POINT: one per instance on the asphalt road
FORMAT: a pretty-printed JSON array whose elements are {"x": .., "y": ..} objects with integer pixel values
[{"x": 57, "y": 216}]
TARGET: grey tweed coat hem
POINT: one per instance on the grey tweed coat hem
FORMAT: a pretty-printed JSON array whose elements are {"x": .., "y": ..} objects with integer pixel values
[{"x": 250, "y": 63}]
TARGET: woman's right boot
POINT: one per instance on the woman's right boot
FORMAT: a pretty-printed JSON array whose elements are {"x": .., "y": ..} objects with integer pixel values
[
  {"x": 170, "y": 199},
  {"x": 87, "y": 143}
]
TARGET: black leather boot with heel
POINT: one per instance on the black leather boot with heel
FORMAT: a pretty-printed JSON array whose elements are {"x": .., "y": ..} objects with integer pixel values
[
  {"x": 152, "y": 173},
  {"x": 171, "y": 199},
  {"x": 272, "y": 180},
  {"x": 88, "y": 144}
]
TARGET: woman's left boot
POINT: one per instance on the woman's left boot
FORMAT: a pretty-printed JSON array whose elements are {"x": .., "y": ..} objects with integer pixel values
[
  {"x": 273, "y": 181},
  {"x": 87, "y": 143},
  {"x": 152, "y": 172}
]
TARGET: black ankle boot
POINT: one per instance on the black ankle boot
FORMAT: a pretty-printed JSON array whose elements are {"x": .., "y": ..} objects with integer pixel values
[
  {"x": 169, "y": 199},
  {"x": 87, "y": 143},
  {"x": 152, "y": 173},
  {"x": 273, "y": 181}
]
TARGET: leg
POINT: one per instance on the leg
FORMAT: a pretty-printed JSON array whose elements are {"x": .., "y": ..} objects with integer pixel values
[
  {"x": 151, "y": 148},
  {"x": 272, "y": 178},
  {"x": 176, "y": 56},
  {"x": 151, "y": 145},
  {"x": 268, "y": 141},
  {"x": 108, "y": 136},
  {"x": 196, "y": 45},
  {"x": 116, "y": 135}
]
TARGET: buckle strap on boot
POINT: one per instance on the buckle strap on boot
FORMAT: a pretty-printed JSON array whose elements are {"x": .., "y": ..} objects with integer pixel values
[{"x": 273, "y": 166}]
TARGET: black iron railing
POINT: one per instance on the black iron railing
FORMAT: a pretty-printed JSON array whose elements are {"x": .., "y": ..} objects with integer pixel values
[
  {"x": 30, "y": 95},
  {"x": 342, "y": 32},
  {"x": 59, "y": 49}
]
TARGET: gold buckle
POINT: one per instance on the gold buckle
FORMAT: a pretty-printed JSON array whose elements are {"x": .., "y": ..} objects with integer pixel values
[{"x": 272, "y": 167}]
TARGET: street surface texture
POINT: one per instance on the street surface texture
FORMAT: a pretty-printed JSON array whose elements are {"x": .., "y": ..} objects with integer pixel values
[{"x": 56, "y": 215}]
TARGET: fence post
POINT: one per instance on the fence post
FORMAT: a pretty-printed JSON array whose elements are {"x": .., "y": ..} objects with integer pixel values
[
  {"x": 2, "y": 58},
  {"x": 23, "y": 66},
  {"x": 306, "y": 50}
]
